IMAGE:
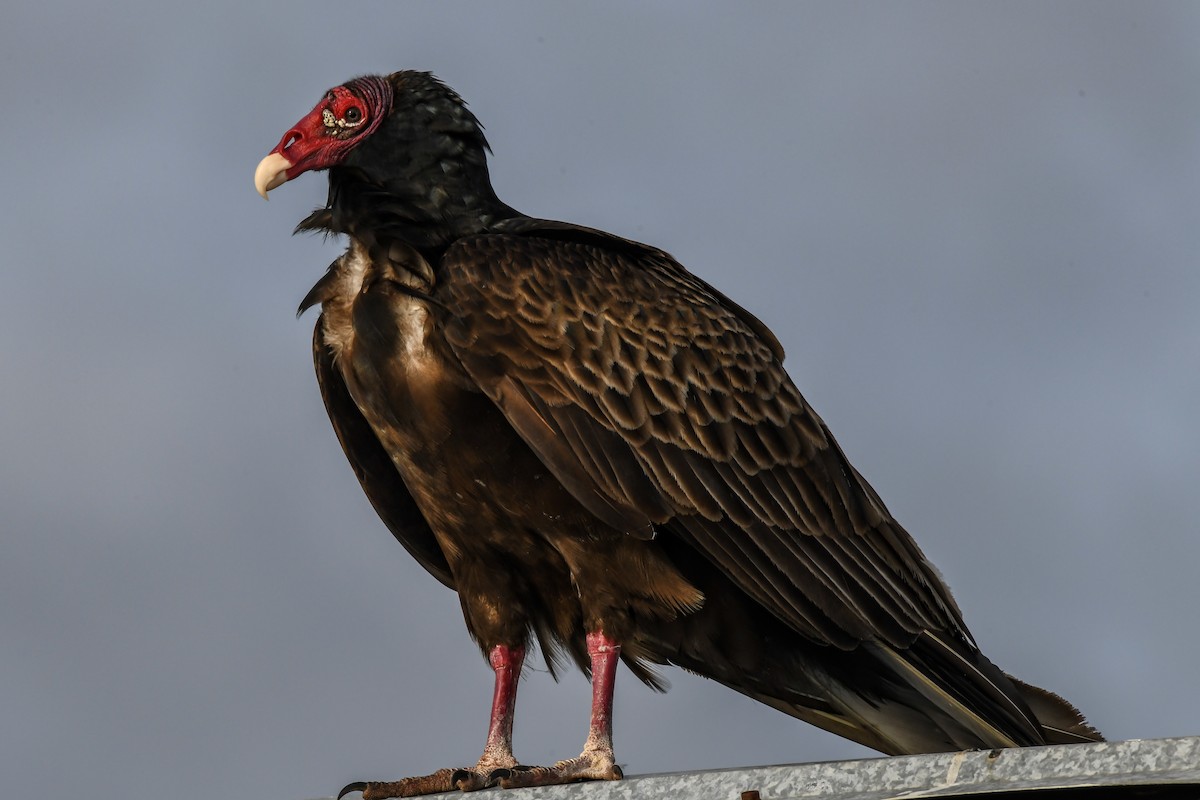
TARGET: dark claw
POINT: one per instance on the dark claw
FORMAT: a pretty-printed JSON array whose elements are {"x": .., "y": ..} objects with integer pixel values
[{"x": 435, "y": 783}]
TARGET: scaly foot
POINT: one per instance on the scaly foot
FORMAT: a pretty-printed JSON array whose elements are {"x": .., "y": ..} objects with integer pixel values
[
  {"x": 444, "y": 780},
  {"x": 590, "y": 765}
]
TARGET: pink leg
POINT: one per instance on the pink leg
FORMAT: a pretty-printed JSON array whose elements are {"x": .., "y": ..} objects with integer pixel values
[
  {"x": 497, "y": 753},
  {"x": 605, "y": 655},
  {"x": 597, "y": 761},
  {"x": 497, "y": 759}
]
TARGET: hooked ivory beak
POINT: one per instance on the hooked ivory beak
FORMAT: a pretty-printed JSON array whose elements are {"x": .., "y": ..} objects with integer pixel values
[{"x": 271, "y": 172}]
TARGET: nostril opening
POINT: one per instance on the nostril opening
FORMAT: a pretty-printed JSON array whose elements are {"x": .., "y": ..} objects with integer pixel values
[{"x": 291, "y": 138}]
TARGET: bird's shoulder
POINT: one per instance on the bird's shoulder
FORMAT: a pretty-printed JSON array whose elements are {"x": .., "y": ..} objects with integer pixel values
[
  {"x": 558, "y": 273},
  {"x": 585, "y": 318}
]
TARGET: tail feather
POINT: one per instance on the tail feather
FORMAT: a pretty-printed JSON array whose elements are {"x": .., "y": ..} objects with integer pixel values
[
  {"x": 980, "y": 723},
  {"x": 1062, "y": 723},
  {"x": 938, "y": 694},
  {"x": 935, "y": 693}
]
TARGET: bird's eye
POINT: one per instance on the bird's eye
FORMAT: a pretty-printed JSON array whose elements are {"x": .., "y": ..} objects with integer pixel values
[{"x": 353, "y": 115}]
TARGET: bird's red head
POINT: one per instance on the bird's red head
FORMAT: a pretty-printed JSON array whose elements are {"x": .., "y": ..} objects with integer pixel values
[{"x": 346, "y": 115}]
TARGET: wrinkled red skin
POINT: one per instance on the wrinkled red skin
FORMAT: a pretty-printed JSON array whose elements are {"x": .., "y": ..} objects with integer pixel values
[{"x": 345, "y": 115}]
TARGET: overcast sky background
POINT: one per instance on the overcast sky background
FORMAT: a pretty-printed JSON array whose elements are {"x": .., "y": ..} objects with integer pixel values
[{"x": 974, "y": 228}]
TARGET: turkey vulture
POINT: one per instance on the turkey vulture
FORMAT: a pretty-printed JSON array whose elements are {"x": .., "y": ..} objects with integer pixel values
[{"x": 603, "y": 455}]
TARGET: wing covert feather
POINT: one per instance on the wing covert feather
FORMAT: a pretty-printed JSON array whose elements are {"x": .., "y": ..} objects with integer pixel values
[{"x": 674, "y": 403}]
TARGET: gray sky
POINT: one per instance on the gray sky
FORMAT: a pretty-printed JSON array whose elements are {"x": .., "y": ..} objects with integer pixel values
[{"x": 974, "y": 228}]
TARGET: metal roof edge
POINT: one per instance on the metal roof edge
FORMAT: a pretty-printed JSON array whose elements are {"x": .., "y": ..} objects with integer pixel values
[{"x": 1171, "y": 762}]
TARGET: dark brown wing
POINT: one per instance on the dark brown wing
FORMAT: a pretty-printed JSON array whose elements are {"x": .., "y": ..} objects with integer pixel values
[
  {"x": 378, "y": 476},
  {"x": 672, "y": 403}
]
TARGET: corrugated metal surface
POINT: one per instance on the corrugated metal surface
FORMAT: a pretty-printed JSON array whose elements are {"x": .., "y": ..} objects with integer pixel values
[{"x": 1144, "y": 768}]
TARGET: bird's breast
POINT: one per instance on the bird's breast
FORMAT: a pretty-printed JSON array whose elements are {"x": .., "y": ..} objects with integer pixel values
[
  {"x": 368, "y": 317},
  {"x": 337, "y": 299}
]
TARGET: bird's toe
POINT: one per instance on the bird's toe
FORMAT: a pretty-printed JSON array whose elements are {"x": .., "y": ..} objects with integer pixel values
[
  {"x": 441, "y": 781},
  {"x": 589, "y": 766},
  {"x": 471, "y": 780}
]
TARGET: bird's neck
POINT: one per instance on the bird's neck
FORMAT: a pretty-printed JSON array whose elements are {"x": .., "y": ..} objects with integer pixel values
[{"x": 433, "y": 203}]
